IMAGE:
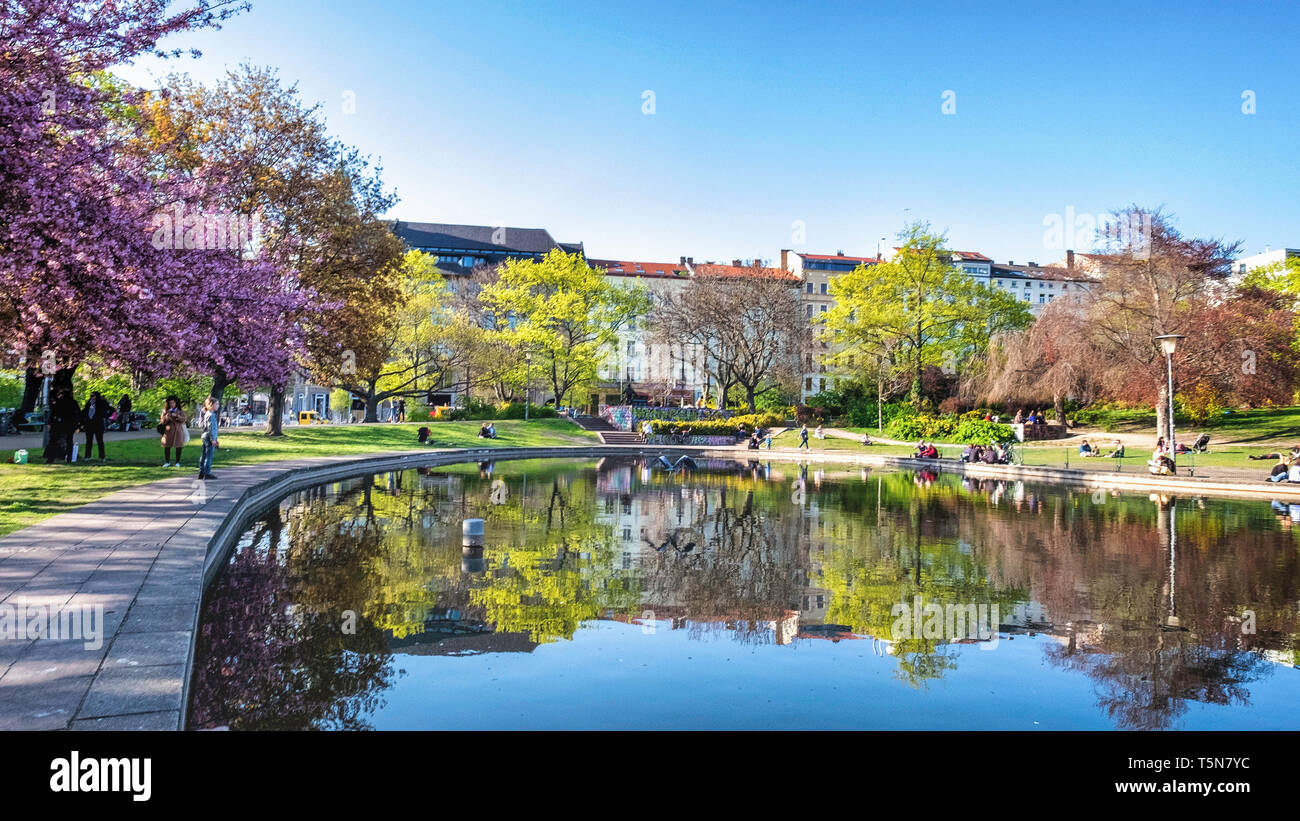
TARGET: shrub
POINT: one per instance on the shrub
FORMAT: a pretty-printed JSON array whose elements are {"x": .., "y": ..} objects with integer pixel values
[
  {"x": 979, "y": 432},
  {"x": 1200, "y": 403},
  {"x": 716, "y": 427},
  {"x": 472, "y": 409},
  {"x": 515, "y": 410},
  {"x": 11, "y": 391},
  {"x": 965, "y": 429}
]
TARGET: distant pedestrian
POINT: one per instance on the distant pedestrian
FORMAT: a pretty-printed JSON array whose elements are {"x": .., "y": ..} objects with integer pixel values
[
  {"x": 803, "y": 438},
  {"x": 94, "y": 417},
  {"x": 124, "y": 413},
  {"x": 171, "y": 424},
  {"x": 63, "y": 419},
  {"x": 211, "y": 423}
]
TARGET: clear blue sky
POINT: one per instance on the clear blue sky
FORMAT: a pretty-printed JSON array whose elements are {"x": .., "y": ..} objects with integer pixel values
[{"x": 530, "y": 114}]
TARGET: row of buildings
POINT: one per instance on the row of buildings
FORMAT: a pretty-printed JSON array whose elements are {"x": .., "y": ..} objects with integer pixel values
[{"x": 637, "y": 369}]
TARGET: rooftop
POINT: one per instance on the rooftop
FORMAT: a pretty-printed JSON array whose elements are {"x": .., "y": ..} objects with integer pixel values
[
  {"x": 486, "y": 238},
  {"x": 632, "y": 268}
]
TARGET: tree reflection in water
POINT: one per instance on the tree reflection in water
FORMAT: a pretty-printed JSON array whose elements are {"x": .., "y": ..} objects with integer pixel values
[{"x": 761, "y": 554}]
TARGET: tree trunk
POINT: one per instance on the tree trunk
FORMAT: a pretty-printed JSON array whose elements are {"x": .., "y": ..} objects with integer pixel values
[
  {"x": 275, "y": 413},
  {"x": 749, "y": 399},
  {"x": 372, "y": 404},
  {"x": 220, "y": 381},
  {"x": 1162, "y": 411},
  {"x": 32, "y": 382},
  {"x": 1058, "y": 408}
]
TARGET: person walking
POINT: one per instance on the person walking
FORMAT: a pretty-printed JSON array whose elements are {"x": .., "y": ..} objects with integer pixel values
[
  {"x": 124, "y": 413},
  {"x": 803, "y": 438},
  {"x": 211, "y": 424},
  {"x": 171, "y": 424},
  {"x": 94, "y": 418}
]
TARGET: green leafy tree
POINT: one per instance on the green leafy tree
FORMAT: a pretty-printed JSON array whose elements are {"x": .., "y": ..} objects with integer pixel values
[
  {"x": 563, "y": 314},
  {"x": 916, "y": 310}
]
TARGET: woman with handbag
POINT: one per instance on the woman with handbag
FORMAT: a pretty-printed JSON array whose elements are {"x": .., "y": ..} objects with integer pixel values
[{"x": 171, "y": 424}]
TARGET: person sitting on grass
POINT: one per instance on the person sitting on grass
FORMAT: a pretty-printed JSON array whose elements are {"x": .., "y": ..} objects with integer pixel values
[
  {"x": 483, "y": 431},
  {"x": 820, "y": 433},
  {"x": 1161, "y": 464},
  {"x": 989, "y": 456},
  {"x": 1279, "y": 471},
  {"x": 1117, "y": 452},
  {"x": 422, "y": 435},
  {"x": 970, "y": 454},
  {"x": 1085, "y": 449},
  {"x": 924, "y": 451},
  {"x": 866, "y": 440}
]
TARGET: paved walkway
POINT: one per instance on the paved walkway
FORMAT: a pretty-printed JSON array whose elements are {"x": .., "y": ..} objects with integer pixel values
[
  {"x": 143, "y": 556},
  {"x": 34, "y": 442}
]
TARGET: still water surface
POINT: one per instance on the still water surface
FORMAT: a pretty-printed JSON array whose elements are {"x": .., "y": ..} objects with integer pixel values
[{"x": 615, "y": 594}]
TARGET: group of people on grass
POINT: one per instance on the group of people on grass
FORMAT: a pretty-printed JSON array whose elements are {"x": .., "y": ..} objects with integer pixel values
[
  {"x": 1287, "y": 468},
  {"x": 986, "y": 454},
  {"x": 66, "y": 419},
  {"x": 1088, "y": 449}
]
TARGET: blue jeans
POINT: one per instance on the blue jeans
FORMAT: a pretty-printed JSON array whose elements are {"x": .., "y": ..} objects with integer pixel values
[{"x": 205, "y": 458}]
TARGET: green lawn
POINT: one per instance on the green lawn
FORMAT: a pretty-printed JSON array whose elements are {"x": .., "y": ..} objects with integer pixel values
[
  {"x": 31, "y": 492},
  {"x": 1263, "y": 425},
  {"x": 1060, "y": 455}
]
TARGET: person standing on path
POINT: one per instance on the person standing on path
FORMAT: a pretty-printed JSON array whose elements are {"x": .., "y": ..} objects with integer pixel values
[
  {"x": 211, "y": 423},
  {"x": 124, "y": 413},
  {"x": 171, "y": 424},
  {"x": 803, "y": 438},
  {"x": 94, "y": 418}
]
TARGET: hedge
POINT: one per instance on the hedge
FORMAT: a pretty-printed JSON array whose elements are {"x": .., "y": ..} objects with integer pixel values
[{"x": 716, "y": 427}]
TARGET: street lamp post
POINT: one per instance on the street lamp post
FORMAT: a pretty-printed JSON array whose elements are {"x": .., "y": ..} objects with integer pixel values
[{"x": 1168, "y": 344}]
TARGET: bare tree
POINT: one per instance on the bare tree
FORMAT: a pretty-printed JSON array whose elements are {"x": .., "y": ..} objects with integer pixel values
[{"x": 747, "y": 321}]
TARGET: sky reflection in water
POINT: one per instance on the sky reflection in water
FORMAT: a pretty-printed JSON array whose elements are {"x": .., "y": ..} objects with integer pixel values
[{"x": 618, "y": 595}]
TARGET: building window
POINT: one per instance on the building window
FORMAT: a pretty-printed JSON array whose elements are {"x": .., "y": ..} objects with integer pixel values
[
  {"x": 823, "y": 309},
  {"x": 631, "y": 348},
  {"x": 808, "y": 287},
  {"x": 808, "y": 310},
  {"x": 823, "y": 386},
  {"x": 1042, "y": 298},
  {"x": 824, "y": 285},
  {"x": 807, "y": 384}
]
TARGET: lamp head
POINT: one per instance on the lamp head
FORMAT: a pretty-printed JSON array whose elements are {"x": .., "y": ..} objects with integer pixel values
[{"x": 1169, "y": 343}]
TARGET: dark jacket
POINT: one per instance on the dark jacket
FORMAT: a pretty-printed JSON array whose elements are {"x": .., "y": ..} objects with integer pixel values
[
  {"x": 95, "y": 422},
  {"x": 64, "y": 413}
]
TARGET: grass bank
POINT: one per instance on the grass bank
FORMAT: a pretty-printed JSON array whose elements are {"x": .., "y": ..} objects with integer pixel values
[{"x": 31, "y": 492}]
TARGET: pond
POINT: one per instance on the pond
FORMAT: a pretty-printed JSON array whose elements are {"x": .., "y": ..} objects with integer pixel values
[{"x": 621, "y": 594}]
